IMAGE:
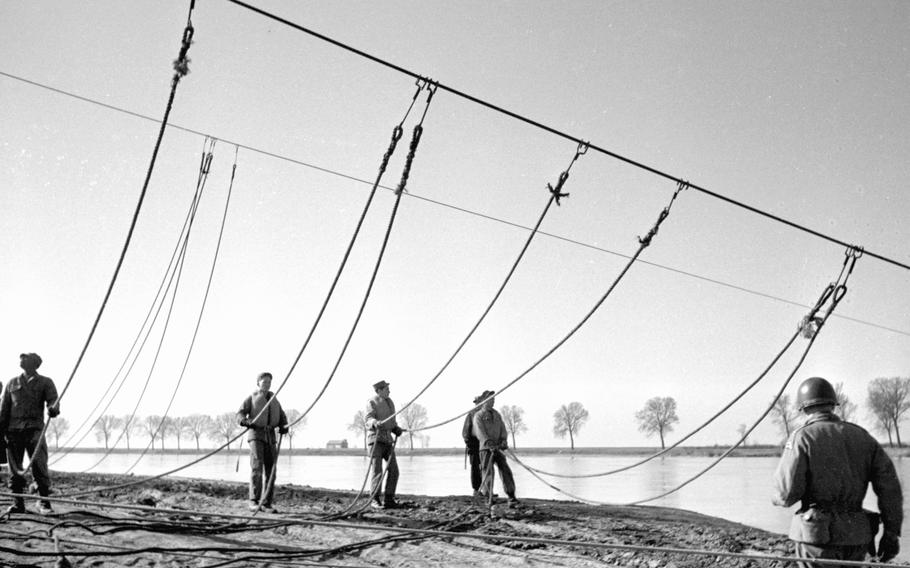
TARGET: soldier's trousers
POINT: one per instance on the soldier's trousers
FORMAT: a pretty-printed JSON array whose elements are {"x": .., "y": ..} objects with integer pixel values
[
  {"x": 833, "y": 552},
  {"x": 474, "y": 461},
  {"x": 20, "y": 442},
  {"x": 487, "y": 459},
  {"x": 262, "y": 461},
  {"x": 379, "y": 452}
]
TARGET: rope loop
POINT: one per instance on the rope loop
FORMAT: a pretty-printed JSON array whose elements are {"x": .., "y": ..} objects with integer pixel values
[
  {"x": 415, "y": 140},
  {"x": 393, "y": 143},
  {"x": 182, "y": 63}
]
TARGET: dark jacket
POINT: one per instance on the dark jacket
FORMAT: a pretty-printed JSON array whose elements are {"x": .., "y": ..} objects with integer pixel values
[
  {"x": 262, "y": 424},
  {"x": 378, "y": 409},
  {"x": 490, "y": 430},
  {"x": 827, "y": 465},
  {"x": 24, "y": 400}
]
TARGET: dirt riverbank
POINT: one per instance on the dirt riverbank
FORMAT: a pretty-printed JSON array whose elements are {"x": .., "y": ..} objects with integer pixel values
[{"x": 166, "y": 530}]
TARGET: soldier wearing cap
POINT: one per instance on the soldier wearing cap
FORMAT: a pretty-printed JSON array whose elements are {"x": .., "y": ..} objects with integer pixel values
[
  {"x": 494, "y": 438},
  {"x": 382, "y": 425},
  {"x": 262, "y": 413},
  {"x": 472, "y": 447},
  {"x": 827, "y": 466},
  {"x": 22, "y": 424}
]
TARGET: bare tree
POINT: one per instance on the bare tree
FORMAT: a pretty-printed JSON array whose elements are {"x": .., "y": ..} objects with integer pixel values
[
  {"x": 129, "y": 425},
  {"x": 197, "y": 425},
  {"x": 657, "y": 417},
  {"x": 569, "y": 420},
  {"x": 104, "y": 426},
  {"x": 513, "y": 416},
  {"x": 785, "y": 414},
  {"x": 176, "y": 425},
  {"x": 847, "y": 408},
  {"x": 412, "y": 418},
  {"x": 224, "y": 427},
  {"x": 151, "y": 426},
  {"x": 889, "y": 400},
  {"x": 741, "y": 430},
  {"x": 359, "y": 425},
  {"x": 58, "y": 427},
  {"x": 295, "y": 422}
]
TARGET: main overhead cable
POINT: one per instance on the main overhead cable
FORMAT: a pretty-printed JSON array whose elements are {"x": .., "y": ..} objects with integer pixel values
[
  {"x": 441, "y": 203},
  {"x": 562, "y": 134}
]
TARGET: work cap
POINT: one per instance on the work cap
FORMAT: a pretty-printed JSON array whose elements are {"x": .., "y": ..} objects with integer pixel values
[
  {"x": 380, "y": 385},
  {"x": 478, "y": 398},
  {"x": 486, "y": 394},
  {"x": 33, "y": 357}
]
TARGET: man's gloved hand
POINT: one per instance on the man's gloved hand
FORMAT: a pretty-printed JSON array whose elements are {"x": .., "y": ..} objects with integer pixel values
[
  {"x": 888, "y": 546},
  {"x": 53, "y": 411},
  {"x": 245, "y": 422},
  {"x": 398, "y": 431},
  {"x": 283, "y": 430}
]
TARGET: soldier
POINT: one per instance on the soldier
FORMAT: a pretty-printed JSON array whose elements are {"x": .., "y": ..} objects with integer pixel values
[
  {"x": 22, "y": 424},
  {"x": 472, "y": 447},
  {"x": 493, "y": 437},
  {"x": 382, "y": 445},
  {"x": 827, "y": 466},
  {"x": 262, "y": 413}
]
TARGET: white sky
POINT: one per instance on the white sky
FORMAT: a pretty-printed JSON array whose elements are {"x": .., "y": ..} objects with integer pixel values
[{"x": 796, "y": 109}]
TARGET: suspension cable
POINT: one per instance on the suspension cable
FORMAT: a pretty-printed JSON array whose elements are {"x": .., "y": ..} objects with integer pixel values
[
  {"x": 69, "y": 444},
  {"x": 181, "y": 68},
  {"x": 555, "y": 195},
  {"x": 415, "y": 140},
  {"x": 205, "y": 298},
  {"x": 643, "y": 243},
  {"x": 810, "y": 326}
]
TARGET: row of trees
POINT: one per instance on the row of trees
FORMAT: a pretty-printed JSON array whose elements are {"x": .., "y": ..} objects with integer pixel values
[
  {"x": 887, "y": 403},
  {"x": 657, "y": 417},
  {"x": 112, "y": 430}
]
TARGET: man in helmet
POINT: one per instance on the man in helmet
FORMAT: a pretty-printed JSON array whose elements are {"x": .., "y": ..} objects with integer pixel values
[{"x": 827, "y": 466}]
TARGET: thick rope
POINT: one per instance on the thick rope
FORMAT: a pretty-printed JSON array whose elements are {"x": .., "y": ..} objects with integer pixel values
[
  {"x": 643, "y": 244},
  {"x": 205, "y": 297},
  {"x": 415, "y": 139},
  {"x": 69, "y": 444},
  {"x": 467, "y": 535},
  {"x": 395, "y": 137},
  {"x": 180, "y": 69},
  {"x": 835, "y": 293},
  {"x": 690, "y": 434},
  {"x": 175, "y": 279}
]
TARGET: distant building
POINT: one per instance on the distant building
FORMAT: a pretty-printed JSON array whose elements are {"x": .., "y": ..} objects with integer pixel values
[{"x": 336, "y": 444}]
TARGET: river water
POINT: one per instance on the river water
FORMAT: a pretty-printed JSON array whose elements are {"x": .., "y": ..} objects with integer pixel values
[{"x": 738, "y": 488}]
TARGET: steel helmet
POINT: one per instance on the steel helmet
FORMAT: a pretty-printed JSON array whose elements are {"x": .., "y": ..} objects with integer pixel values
[{"x": 813, "y": 391}]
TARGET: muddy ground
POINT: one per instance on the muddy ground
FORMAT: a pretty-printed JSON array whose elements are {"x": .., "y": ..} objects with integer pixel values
[{"x": 166, "y": 530}]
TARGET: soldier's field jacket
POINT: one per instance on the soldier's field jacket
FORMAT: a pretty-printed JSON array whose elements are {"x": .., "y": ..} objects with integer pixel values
[{"x": 827, "y": 466}]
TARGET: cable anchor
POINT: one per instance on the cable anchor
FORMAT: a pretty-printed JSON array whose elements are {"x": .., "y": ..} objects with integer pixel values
[{"x": 557, "y": 191}]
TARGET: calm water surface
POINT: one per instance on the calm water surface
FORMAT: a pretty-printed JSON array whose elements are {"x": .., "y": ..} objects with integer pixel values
[{"x": 738, "y": 489}]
